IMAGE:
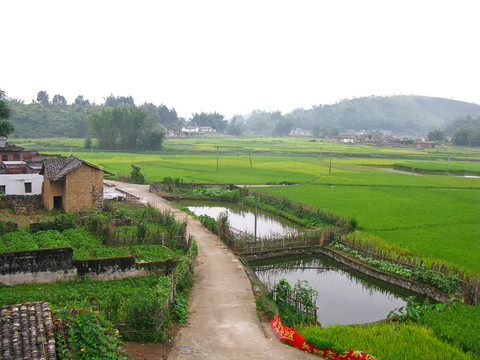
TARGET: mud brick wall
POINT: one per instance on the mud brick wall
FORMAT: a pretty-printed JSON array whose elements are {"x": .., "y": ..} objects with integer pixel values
[{"x": 83, "y": 188}]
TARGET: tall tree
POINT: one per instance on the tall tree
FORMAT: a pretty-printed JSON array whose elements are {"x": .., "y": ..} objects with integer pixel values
[
  {"x": 6, "y": 127},
  {"x": 42, "y": 97},
  {"x": 112, "y": 101},
  {"x": 79, "y": 100},
  {"x": 124, "y": 128},
  {"x": 59, "y": 99},
  {"x": 214, "y": 120}
]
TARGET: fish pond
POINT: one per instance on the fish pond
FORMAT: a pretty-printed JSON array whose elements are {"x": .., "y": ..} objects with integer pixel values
[
  {"x": 345, "y": 296},
  {"x": 242, "y": 217}
]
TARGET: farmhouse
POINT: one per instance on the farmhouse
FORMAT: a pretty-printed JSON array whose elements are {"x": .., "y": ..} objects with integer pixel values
[
  {"x": 71, "y": 184},
  {"x": 425, "y": 144}
]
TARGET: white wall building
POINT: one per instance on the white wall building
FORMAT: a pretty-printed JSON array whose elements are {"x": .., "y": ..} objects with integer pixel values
[{"x": 21, "y": 184}]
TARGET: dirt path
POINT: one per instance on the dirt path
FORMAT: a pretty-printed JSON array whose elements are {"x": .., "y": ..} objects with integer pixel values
[{"x": 223, "y": 322}]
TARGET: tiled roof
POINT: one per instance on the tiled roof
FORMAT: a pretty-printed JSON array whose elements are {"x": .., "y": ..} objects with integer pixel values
[
  {"x": 11, "y": 147},
  {"x": 27, "y": 332},
  {"x": 57, "y": 168}
]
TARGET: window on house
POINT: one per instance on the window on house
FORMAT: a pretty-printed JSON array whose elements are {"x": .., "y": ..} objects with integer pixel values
[
  {"x": 4, "y": 157},
  {"x": 3, "y": 188},
  {"x": 28, "y": 187}
]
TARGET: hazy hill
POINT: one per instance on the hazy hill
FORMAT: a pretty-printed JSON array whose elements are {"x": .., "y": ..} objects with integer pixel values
[{"x": 401, "y": 114}]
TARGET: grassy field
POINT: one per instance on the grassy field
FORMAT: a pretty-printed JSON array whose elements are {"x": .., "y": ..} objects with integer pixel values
[{"x": 433, "y": 215}]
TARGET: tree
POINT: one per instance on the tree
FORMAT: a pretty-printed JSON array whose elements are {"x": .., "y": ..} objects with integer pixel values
[
  {"x": 214, "y": 120},
  {"x": 233, "y": 128},
  {"x": 6, "y": 127},
  {"x": 80, "y": 101},
  {"x": 112, "y": 101},
  {"x": 42, "y": 97},
  {"x": 461, "y": 137},
  {"x": 59, "y": 99},
  {"x": 316, "y": 131},
  {"x": 436, "y": 135},
  {"x": 124, "y": 128},
  {"x": 283, "y": 127}
]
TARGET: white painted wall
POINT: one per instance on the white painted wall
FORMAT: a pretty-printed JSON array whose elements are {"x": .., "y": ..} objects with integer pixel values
[{"x": 15, "y": 183}]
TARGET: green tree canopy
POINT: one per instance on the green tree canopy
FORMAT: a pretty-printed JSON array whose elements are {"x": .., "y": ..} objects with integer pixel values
[
  {"x": 124, "y": 128},
  {"x": 436, "y": 135},
  {"x": 6, "y": 127},
  {"x": 59, "y": 99},
  {"x": 42, "y": 97},
  {"x": 214, "y": 120}
]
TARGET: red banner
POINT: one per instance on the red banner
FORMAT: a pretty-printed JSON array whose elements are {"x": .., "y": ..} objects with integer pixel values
[{"x": 291, "y": 336}]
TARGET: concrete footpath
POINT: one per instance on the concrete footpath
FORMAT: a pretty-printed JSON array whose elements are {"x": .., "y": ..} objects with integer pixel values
[{"x": 223, "y": 322}]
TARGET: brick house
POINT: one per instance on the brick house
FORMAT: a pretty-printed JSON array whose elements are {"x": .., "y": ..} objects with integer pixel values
[{"x": 71, "y": 184}]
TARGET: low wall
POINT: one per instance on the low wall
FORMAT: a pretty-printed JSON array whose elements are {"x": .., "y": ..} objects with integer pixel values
[
  {"x": 412, "y": 285},
  {"x": 23, "y": 204},
  {"x": 42, "y": 265},
  {"x": 273, "y": 253},
  {"x": 57, "y": 264}
]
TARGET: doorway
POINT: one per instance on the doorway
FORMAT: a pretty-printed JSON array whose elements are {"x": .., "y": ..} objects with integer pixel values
[{"x": 57, "y": 202}]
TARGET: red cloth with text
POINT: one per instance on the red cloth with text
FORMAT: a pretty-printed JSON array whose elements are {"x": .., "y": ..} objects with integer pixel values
[{"x": 291, "y": 336}]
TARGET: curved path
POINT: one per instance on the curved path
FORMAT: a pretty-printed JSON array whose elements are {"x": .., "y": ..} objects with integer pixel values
[{"x": 223, "y": 322}]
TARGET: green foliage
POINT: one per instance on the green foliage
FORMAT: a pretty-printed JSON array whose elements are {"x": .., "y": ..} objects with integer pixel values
[
  {"x": 145, "y": 314},
  {"x": 459, "y": 326},
  {"x": 296, "y": 305},
  {"x": 84, "y": 334},
  {"x": 446, "y": 283},
  {"x": 88, "y": 143},
  {"x": 209, "y": 222},
  {"x": 436, "y": 135},
  {"x": 60, "y": 223},
  {"x": 388, "y": 341},
  {"x": 180, "y": 308},
  {"x": 415, "y": 311},
  {"x": 217, "y": 192},
  {"x": 135, "y": 176}
]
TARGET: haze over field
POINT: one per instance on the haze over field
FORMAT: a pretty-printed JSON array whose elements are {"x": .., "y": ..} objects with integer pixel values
[{"x": 234, "y": 57}]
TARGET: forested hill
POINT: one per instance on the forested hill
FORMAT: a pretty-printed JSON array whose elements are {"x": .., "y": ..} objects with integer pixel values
[
  {"x": 404, "y": 115},
  {"x": 401, "y": 114},
  {"x": 50, "y": 119}
]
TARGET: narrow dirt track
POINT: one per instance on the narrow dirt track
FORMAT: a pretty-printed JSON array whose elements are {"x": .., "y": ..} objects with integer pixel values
[{"x": 223, "y": 322}]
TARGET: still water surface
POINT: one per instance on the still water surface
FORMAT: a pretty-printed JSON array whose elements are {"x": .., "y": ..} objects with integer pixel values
[
  {"x": 345, "y": 296},
  {"x": 242, "y": 217}
]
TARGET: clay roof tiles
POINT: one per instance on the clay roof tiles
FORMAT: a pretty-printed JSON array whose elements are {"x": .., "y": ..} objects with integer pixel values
[
  {"x": 57, "y": 168},
  {"x": 27, "y": 332}
]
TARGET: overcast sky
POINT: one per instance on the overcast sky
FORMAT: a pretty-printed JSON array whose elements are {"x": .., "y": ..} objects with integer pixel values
[{"x": 236, "y": 56}]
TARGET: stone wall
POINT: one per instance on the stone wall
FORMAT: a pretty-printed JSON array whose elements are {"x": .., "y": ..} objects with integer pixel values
[
  {"x": 22, "y": 204},
  {"x": 50, "y": 265},
  {"x": 42, "y": 265},
  {"x": 417, "y": 287}
]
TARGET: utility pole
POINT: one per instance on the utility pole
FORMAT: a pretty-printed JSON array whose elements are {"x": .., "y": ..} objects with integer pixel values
[
  {"x": 143, "y": 166},
  {"x": 250, "y": 154},
  {"x": 217, "y": 158},
  {"x": 331, "y": 153},
  {"x": 448, "y": 166}
]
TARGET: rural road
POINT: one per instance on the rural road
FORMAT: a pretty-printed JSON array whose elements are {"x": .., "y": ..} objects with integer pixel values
[{"x": 223, "y": 322}]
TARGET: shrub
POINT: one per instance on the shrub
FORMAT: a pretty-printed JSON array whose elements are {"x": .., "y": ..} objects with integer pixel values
[{"x": 84, "y": 334}]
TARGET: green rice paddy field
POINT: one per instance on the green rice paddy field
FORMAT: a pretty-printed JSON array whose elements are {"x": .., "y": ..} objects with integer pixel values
[{"x": 436, "y": 216}]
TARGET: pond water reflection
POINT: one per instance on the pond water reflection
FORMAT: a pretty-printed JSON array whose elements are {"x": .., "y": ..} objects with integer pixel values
[
  {"x": 242, "y": 217},
  {"x": 345, "y": 296}
]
